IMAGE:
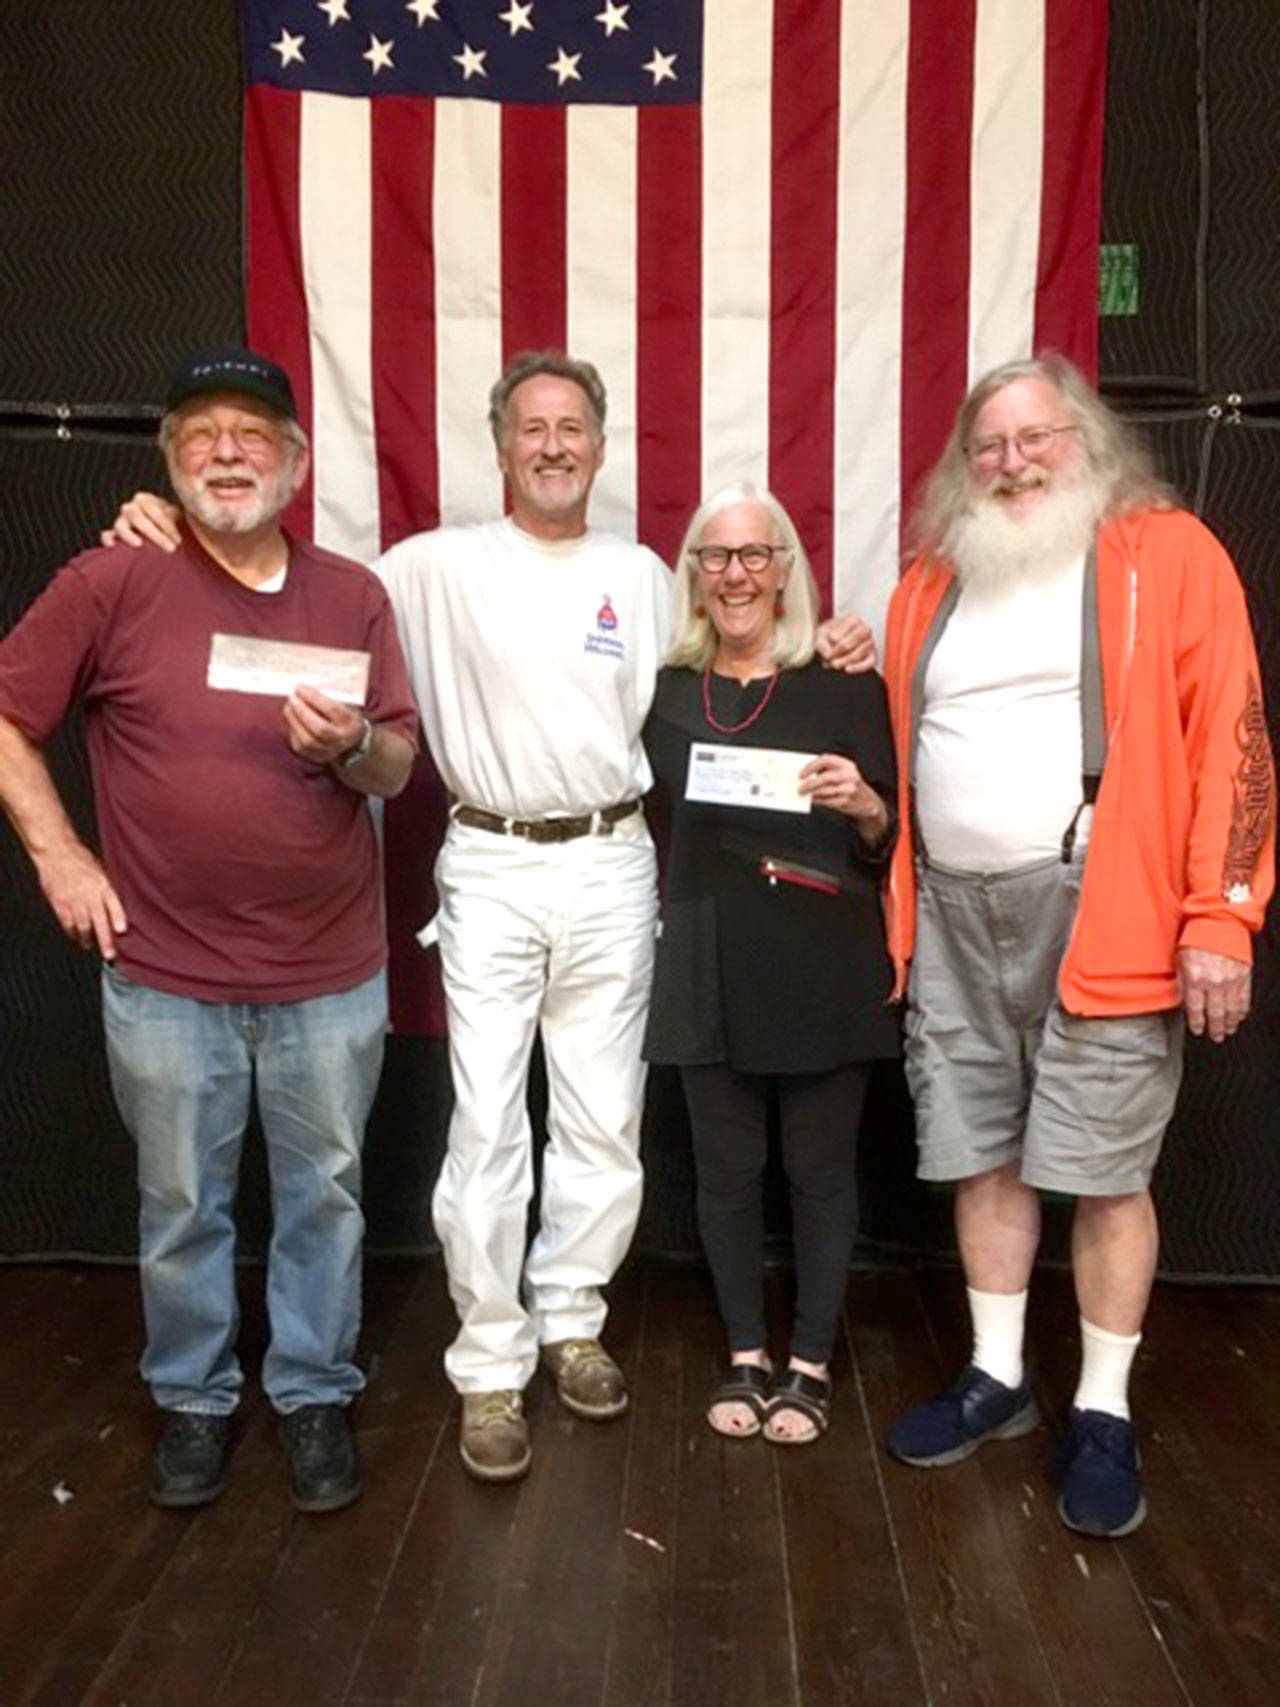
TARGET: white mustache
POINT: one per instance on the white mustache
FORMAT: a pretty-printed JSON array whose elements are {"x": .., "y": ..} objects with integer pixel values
[{"x": 1009, "y": 485}]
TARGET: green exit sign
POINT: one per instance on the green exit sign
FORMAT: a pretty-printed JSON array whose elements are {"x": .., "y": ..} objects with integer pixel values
[{"x": 1118, "y": 278}]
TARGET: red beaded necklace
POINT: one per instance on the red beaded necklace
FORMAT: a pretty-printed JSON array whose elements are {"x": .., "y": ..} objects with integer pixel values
[{"x": 734, "y": 728}]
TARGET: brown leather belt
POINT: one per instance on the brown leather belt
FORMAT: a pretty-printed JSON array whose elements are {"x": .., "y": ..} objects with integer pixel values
[{"x": 546, "y": 829}]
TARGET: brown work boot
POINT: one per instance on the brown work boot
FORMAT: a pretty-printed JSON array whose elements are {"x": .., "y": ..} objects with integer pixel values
[
  {"x": 495, "y": 1437},
  {"x": 588, "y": 1381}
]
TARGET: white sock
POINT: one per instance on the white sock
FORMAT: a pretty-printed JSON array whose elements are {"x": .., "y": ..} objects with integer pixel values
[
  {"x": 1105, "y": 1362},
  {"x": 997, "y": 1333}
]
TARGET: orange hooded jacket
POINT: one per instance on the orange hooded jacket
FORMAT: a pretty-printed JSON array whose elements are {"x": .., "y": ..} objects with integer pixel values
[{"x": 1182, "y": 847}]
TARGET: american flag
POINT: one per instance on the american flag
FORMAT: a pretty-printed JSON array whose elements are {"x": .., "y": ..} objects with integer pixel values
[{"x": 788, "y": 232}]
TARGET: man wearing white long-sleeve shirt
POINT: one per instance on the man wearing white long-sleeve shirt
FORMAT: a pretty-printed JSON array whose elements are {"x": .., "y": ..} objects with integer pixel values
[{"x": 533, "y": 644}]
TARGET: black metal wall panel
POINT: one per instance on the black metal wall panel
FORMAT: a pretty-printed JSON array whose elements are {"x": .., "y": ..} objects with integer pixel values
[
  {"x": 1179, "y": 440},
  {"x": 1242, "y": 59},
  {"x": 120, "y": 217},
  {"x": 1191, "y": 164},
  {"x": 1219, "y": 1183},
  {"x": 1152, "y": 190},
  {"x": 66, "y": 1165}
]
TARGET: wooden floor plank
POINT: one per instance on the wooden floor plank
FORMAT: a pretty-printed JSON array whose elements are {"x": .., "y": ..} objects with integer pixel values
[
  {"x": 977, "y": 1636},
  {"x": 638, "y": 1656},
  {"x": 77, "y": 1585},
  {"x": 643, "y": 1563},
  {"x": 200, "y": 1607},
  {"x": 731, "y": 1642},
  {"x": 75, "y": 1420},
  {"x": 1205, "y": 1561},
  {"x": 311, "y": 1615},
  {"x": 191, "y": 1625},
  {"x": 466, "y": 1607},
  {"x": 554, "y": 1607},
  {"x": 855, "y": 1643},
  {"x": 1092, "y": 1624},
  {"x": 426, "y": 1640}
]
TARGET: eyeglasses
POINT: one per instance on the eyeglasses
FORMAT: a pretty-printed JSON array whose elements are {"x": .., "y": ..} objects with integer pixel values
[
  {"x": 251, "y": 438},
  {"x": 1031, "y": 444},
  {"x": 755, "y": 557}
]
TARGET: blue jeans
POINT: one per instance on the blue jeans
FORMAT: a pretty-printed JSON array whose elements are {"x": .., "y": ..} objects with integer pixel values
[{"x": 183, "y": 1073}]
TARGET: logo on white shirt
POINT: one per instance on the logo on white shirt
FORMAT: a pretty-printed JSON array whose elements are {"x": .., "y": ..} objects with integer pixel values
[{"x": 604, "y": 639}]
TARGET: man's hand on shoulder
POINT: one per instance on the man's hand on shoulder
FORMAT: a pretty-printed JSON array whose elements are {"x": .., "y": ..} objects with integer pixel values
[
  {"x": 846, "y": 643},
  {"x": 83, "y": 901},
  {"x": 145, "y": 519},
  {"x": 1215, "y": 992}
]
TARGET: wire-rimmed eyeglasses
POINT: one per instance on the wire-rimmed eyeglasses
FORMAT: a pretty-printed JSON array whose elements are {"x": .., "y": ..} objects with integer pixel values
[{"x": 1031, "y": 444}]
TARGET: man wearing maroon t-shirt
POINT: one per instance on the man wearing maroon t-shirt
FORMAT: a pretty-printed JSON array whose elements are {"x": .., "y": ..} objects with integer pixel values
[{"x": 236, "y": 904}]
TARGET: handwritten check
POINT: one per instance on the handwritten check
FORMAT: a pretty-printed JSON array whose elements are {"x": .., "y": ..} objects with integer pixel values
[
  {"x": 767, "y": 778},
  {"x": 243, "y": 663}
]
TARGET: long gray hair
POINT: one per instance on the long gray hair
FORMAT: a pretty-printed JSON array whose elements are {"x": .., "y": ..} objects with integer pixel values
[
  {"x": 693, "y": 639},
  {"x": 1116, "y": 458}
]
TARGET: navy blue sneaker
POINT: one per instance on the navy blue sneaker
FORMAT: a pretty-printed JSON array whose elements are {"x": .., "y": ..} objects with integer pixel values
[
  {"x": 1100, "y": 1486},
  {"x": 976, "y": 1408}
]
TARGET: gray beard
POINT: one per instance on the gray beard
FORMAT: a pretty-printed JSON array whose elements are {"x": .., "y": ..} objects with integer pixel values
[
  {"x": 993, "y": 551},
  {"x": 272, "y": 496}
]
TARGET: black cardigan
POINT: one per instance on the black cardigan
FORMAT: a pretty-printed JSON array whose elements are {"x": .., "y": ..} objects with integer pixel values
[{"x": 771, "y": 976}]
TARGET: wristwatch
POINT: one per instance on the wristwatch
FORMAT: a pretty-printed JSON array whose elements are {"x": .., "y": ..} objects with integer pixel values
[{"x": 361, "y": 750}]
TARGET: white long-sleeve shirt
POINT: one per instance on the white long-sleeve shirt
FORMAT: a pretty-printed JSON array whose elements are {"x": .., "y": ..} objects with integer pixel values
[{"x": 533, "y": 662}]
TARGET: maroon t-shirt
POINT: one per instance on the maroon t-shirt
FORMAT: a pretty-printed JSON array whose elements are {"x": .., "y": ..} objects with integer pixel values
[{"x": 247, "y": 874}]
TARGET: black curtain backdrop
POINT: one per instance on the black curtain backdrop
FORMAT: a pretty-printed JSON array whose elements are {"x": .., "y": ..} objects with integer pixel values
[{"x": 120, "y": 243}]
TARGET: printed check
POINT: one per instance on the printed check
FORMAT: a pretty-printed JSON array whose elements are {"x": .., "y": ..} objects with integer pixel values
[
  {"x": 242, "y": 663},
  {"x": 767, "y": 778}
]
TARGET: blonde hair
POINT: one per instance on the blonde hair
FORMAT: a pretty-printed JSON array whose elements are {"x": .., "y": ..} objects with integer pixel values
[
  {"x": 693, "y": 639},
  {"x": 1116, "y": 458}
]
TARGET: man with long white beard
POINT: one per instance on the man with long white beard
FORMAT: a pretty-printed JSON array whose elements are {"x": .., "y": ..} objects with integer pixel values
[
  {"x": 1087, "y": 810},
  {"x": 236, "y": 907}
]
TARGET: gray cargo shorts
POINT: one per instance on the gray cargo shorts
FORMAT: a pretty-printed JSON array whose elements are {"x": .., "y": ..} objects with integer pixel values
[{"x": 998, "y": 1070}]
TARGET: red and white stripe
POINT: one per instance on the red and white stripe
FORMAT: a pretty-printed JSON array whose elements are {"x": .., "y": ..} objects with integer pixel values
[{"x": 795, "y": 282}]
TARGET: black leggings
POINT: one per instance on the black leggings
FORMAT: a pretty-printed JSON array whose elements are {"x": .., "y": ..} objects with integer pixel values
[{"x": 819, "y": 1114}]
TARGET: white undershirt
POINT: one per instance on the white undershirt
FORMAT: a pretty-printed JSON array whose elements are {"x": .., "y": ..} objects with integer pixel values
[
  {"x": 533, "y": 662},
  {"x": 999, "y": 756}
]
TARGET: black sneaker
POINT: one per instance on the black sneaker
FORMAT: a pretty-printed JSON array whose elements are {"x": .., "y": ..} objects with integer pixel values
[
  {"x": 977, "y": 1408},
  {"x": 324, "y": 1470},
  {"x": 189, "y": 1466},
  {"x": 1098, "y": 1476}
]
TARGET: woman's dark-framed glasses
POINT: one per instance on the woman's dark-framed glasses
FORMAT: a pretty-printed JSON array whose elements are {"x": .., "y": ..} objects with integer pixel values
[{"x": 755, "y": 557}]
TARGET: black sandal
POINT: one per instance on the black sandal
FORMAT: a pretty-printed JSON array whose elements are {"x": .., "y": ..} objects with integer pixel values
[
  {"x": 746, "y": 1384},
  {"x": 808, "y": 1396}
]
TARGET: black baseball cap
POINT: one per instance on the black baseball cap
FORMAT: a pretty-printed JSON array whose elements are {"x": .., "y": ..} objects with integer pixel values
[{"x": 227, "y": 367}]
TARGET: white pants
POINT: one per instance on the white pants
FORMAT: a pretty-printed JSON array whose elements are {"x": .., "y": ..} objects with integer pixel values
[{"x": 557, "y": 937}]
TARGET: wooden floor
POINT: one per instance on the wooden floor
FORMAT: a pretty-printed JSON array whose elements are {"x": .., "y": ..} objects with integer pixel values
[{"x": 643, "y": 1563}]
